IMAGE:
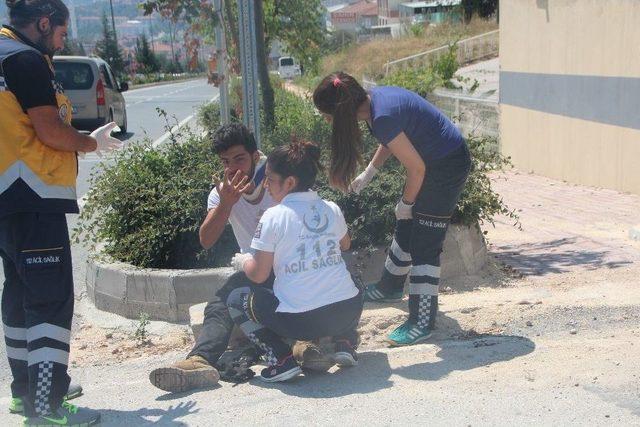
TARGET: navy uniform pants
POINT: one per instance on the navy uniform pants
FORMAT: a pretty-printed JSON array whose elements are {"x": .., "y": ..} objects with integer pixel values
[
  {"x": 37, "y": 306},
  {"x": 417, "y": 243}
]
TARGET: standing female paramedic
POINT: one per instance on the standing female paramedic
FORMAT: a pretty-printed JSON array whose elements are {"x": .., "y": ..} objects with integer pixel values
[{"x": 437, "y": 163}]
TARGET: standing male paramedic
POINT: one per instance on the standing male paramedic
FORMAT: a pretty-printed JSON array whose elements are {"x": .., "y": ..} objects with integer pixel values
[{"x": 38, "y": 169}]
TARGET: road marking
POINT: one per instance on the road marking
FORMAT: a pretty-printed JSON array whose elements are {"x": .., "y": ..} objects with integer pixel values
[
  {"x": 155, "y": 144},
  {"x": 163, "y": 95},
  {"x": 173, "y": 130},
  {"x": 143, "y": 89}
]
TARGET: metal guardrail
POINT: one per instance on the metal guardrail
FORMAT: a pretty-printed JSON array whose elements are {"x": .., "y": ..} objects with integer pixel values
[{"x": 470, "y": 49}]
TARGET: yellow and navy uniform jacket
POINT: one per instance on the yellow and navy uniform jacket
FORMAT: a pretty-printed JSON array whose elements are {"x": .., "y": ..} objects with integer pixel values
[{"x": 33, "y": 176}]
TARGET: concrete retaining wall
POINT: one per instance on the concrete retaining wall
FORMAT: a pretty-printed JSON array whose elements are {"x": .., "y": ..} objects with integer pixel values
[{"x": 167, "y": 294}]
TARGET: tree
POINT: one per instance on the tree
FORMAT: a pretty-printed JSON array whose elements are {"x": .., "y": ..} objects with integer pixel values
[
  {"x": 299, "y": 25},
  {"x": 268, "y": 102},
  {"x": 73, "y": 47},
  {"x": 107, "y": 48},
  {"x": 145, "y": 57},
  {"x": 482, "y": 8}
]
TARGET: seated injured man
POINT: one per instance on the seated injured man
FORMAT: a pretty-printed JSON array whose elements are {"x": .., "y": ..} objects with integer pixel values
[
  {"x": 240, "y": 199},
  {"x": 301, "y": 240}
]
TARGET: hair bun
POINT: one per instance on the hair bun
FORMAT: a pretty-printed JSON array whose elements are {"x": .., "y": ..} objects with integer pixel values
[
  {"x": 12, "y": 4},
  {"x": 299, "y": 149}
]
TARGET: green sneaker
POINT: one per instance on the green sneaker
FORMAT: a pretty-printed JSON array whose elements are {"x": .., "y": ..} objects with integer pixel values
[
  {"x": 373, "y": 294},
  {"x": 66, "y": 415},
  {"x": 407, "y": 334},
  {"x": 16, "y": 406}
]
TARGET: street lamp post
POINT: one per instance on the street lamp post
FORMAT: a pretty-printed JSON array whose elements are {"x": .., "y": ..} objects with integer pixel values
[{"x": 248, "y": 59}]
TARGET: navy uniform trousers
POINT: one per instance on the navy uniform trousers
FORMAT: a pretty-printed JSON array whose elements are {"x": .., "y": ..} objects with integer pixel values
[
  {"x": 37, "y": 306},
  {"x": 417, "y": 243}
]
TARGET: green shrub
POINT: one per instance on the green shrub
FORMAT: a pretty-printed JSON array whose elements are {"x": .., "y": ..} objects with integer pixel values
[
  {"x": 424, "y": 79},
  {"x": 417, "y": 29},
  {"x": 146, "y": 206},
  {"x": 446, "y": 65},
  {"x": 420, "y": 80}
]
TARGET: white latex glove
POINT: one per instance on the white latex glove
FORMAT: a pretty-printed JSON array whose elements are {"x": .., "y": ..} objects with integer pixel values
[
  {"x": 404, "y": 210},
  {"x": 106, "y": 142},
  {"x": 238, "y": 260},
  {"x": 362, "y": 180}
]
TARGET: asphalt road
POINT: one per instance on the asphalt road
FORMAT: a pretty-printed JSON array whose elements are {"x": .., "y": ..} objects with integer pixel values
[{"x": 180, "y": 101}]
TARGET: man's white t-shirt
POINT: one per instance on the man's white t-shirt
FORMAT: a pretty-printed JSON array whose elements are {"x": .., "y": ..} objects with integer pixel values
[
  {"x": 244, "y": 216},
  {"x": 304, "y": 234}
]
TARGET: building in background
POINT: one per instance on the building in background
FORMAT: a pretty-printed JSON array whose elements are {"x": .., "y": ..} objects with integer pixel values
[
  {"x": 356, "y": 17},
  {"x": 388, "y": 11},
  {"x": 570, "y": 90},
  {"x": 432, "y": 12}
]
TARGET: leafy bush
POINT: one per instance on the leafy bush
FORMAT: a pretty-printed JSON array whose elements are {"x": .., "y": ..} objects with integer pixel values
[
  {"x": 420, "y": 80},
  {"x": 446, "y": 65},
  {"x": 146, "y": 206},
  {"x": 424, "y": 79},
  {"x": 417, "y": 29}
]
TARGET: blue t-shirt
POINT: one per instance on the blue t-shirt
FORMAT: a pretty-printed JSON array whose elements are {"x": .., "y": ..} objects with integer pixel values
[{"x": 395, "y": 110}]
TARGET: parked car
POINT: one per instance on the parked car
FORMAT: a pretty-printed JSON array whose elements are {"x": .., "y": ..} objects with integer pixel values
[
  {"x": 95, "y": 95},
  {"x": 287, "y": 68}
]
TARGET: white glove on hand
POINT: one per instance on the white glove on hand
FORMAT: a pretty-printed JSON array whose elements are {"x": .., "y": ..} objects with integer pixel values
[
  {"x": 362, "y": 180},
  {"x": 106, "y": 142},
  {"x": 238, "y": 260},
  {"x": 404, "y": 210}
]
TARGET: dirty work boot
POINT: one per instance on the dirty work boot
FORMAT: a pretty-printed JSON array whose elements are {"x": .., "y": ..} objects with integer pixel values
[
  {"x": 193, "y": 373},
  {"x": 16, "y": 405},
  {"x": 345, "y": 355},
  {"x": 66, "y": 415},
  {"x": 310, "y": 355}
]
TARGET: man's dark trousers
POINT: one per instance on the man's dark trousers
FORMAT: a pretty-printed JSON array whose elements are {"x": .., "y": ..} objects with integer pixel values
[{"x": 218, "y": 325}]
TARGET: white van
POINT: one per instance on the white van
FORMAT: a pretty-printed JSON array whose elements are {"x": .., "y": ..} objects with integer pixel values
[
  {"x": 95, "y": 95},
  {"x": 287, "y": 68}
]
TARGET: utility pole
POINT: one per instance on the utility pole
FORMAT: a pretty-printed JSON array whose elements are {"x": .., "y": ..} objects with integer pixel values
[
  {"x": 113, "y": 22},
  {"x": 73, "y": 22},
  {"x": 248, "y": 59},
  {"x": 153, "y": 46},
  {"x": 221, "y": 57},
  {"x": 173, "y": 55}
]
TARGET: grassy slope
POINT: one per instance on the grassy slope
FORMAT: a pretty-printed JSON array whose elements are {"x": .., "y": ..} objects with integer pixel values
[{"x": 369, "y": 58}]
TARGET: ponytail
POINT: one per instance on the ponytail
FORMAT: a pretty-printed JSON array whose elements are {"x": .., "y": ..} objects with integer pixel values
[{"x": 340, "y": 96}]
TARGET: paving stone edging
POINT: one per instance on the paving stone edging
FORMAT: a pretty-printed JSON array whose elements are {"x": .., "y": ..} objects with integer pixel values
[
  {"x": 167, "y": 294},
  {"x": 127, "y": 290}
]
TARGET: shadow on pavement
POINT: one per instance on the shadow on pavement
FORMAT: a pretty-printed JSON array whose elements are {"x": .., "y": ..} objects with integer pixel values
[
  {"x": 459, "y": 350},
  {"x": 147, "y": 416},
  {"x": 555, "y": 256},
  {"x": 173, "y": 396}
]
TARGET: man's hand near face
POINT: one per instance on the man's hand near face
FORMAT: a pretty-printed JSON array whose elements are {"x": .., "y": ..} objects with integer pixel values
[
  {"x": 232, "y": 187},
  {"x": 229, "y": 190}
]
